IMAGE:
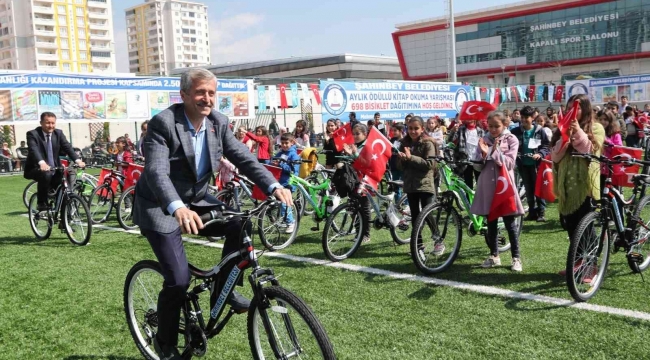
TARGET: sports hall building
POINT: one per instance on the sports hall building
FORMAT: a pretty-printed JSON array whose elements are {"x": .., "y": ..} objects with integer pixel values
[{"x": 531, "y": 42}]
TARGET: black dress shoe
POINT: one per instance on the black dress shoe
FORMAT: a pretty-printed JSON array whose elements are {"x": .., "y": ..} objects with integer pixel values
[
  {"x": 166, "y": 352},
  {"x": 238, "y": 302},
  {"x": 42, "y": 207}
]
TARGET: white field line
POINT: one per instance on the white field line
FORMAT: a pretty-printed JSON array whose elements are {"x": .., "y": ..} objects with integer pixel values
[{"x": 481, "y": 289}]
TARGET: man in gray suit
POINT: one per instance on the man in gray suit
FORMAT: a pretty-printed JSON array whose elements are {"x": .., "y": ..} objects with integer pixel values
[{"x": 184, "y": 145}]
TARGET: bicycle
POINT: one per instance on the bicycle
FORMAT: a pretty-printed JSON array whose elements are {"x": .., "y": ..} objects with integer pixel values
[
  {"x": 396, "y": 218},
  {"x": 431, "y": 257},
  {"x": 84, "y": 184},
  {"x": 64, "y": 207},
  {"x": 589, "y": 251},
  {"x": 102, "y": 198},
  {"x": 274, "y": 311}
]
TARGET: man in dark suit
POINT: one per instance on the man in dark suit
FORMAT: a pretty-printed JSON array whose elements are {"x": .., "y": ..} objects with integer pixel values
[
  {"x": 183, "y": 147},
  {"x": 45, "y": 144}
]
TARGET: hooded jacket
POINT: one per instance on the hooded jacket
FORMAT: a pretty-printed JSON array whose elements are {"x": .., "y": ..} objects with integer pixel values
[{"x": 419, "y": 170}]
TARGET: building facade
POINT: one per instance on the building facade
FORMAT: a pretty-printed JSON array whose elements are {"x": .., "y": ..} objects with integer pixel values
[
  {"x": 531, "y": 42},
  {"x": 57, "y": 35},
  {"x": 164, "y": 35}
]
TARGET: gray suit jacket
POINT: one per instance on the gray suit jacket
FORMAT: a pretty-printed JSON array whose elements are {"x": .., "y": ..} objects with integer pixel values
[{"x": 170, "y": 171}]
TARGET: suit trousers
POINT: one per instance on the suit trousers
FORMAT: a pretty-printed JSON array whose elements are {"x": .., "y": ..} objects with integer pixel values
[
  {"x": 45, "y": 180},
  {"x": 170, "y": 253}
]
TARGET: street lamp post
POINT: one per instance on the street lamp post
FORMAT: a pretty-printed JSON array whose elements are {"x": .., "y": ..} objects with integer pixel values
[{"x": 503, "y": 73}]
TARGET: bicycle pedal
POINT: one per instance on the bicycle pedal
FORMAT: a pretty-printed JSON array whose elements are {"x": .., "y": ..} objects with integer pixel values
[{"x": 635, "y": 256}]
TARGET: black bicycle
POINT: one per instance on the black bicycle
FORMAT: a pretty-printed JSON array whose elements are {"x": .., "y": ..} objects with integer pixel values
[
  {"x": 597, "y": 231},
  {"x": 280, "y": 324},
  {"x": 66, "y": 208}
]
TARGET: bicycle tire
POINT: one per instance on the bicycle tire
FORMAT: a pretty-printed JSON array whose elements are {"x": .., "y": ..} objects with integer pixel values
[
  {"x": 300, "y": 202},
  {"x": 143, "y": 333},
  {"x": 30, "y": 189},
  {"x": 574, "y": 264},
  {"x": 100, "y": 203},
  {"x": 641, "y": 232},
  {"x": 272, "y": 234},
  {"x": 421, "y": 254},
  {"x": 125, "y": 210},
  {"x": 405, "y": 222},
  {"x": 280, "y": 301},
  {"x": 35, "y": 218},
  {"x": 352, "y": 211},
  {"x": 78, "y": 204}
]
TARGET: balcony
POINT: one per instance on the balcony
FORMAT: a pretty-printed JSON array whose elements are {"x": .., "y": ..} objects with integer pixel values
[
  {"x": 47, "y": 68},
  {"x": 103, "y": 60},
  {"x": 43, "y": 10},
  {"x": 98, "y": 14},
  {"x": 98, "y": 26},
  {"x": 99, "y": 35},
  {"x": 44, "y": 32},
  {"x": 47, "y": 44},
  {"x": 104, "y": 47},
  {"x": 46, "y": 1},
  {"x": 44, "y": 21},
  {"x": 97, "y": 3},
  {"x": 47, "y": 56}
]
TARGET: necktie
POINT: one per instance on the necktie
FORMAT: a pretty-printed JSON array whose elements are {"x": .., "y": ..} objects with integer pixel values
[{"x": 50, "y": 155}]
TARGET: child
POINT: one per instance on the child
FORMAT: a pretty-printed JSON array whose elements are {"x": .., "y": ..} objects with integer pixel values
[
  {"x": 288, "y": 154},
  {"x": 123, "y": 154},
  {"x": 497, "y": 149},
  {"x": 301, "y": 134},
  {"x": 330, "y": 156},
  {"x": 575, "y": 179},
  {"x": 360, "y": 133},
  {"x": 612, "y": 138},
  {"x": 466, "y": 140},
  {"x": 397, "y": 131},
  {"x": 261, "y": 137},
  {"x": 418, "y": 167},
  {"x": 532, "y": 141}
]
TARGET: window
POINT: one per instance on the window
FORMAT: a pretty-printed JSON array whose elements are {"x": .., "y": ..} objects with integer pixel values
[
  {"x": 62, "y": 19},
  {"x": 80, "y": 21},
  {"x": 84, "y": 67},
  {"x": 179, "y": 48},
  {"x": 63, "y": 31},
  {"x": 80, "y": 11},
  {"x": 81, "y": 33},
  {"x": 66, "y": 66},
  {"x": 180, "y": 57},
  {"x": 61, "y": 8},
  {"x": 64, "y": 43},
  {"x": 83, "y": 55},
  {"x": 82, "y": 44},
  {"x": 178, "y": 31},
  {"x": 65, "y": 54},
  {"x": 79, "y": 1}
]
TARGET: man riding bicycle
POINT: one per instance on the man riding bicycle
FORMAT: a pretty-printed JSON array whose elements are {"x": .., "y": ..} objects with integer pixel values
[
  {"x": 183, "y": 147},
  {"x": 45, "y": 144}
]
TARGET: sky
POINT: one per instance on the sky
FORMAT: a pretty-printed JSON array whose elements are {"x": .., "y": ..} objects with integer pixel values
[{"x": 254, "y": 30}]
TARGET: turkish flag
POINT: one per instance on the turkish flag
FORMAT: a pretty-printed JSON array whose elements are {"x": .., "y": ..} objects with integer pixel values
[
  {"x": 515, "y": 93},
  {"x": 503, "y": 202},
  {"x": 283, "y": 96},
  {"x": 531, "y": 93},
  {"x": 483, "y": 92},
  {"x": 314, "y": 89},
  {"x": 342, "y": 136},
  {"x": 132, "y": 173},
  {"x": 497, "y": 98},
  {"x": 622, "y": 175},
  {"x": 559, "y": 92},
  {"x": 475, "y": 110},
  {"x": 544, "y": 183},
  {"x": 374, "y": 156},
  {"x": 564, "y": 121}
]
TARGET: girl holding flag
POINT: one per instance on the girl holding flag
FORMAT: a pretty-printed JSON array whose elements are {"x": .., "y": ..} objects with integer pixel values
[
  {"x": 495, "y": 194},
  {"x": 360, "y": 133},
  {"x": 576, "y": 180}
]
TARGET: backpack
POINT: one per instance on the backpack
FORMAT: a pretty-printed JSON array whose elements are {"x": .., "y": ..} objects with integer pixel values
[{"x": 345, "y": 180}]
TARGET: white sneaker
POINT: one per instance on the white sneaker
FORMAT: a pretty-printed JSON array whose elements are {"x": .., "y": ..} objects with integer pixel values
[
  {"x": 516, "y": 265},
  {"x": 290, "y": 228},
  {"x": 438, "y": 249},
  {"x": 492, "y": 261}
]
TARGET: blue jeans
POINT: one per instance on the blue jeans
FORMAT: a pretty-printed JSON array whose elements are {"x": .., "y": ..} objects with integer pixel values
[
  {"x": 283, "y": 209},
  {"x": 397, "y": 175}
]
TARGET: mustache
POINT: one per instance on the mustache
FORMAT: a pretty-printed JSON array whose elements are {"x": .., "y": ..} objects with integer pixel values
[{"x": 204, "y": 104}]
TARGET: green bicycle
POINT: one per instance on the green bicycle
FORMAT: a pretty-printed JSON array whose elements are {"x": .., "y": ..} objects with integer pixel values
[{"x": 440, "y": 226}]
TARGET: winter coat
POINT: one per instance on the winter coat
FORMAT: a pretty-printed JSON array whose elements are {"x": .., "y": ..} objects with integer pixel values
[
  {"x": 287, "y": 169},
  {"x": 538, "y": 134},
  {"x": 505, "y": 155},
  {"x": 418, "y": 171}
]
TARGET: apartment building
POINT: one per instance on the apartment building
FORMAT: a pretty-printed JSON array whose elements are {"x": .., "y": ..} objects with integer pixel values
[
  {"x": 164, "y": 35},
  {"x": 57, "y": 35}
]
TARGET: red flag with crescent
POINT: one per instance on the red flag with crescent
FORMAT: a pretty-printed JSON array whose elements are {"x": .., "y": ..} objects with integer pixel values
[
  {"x": 283, "y": 96},
  {"x": 544, "y": 183},
  {"x": 475, "y": 110},
  {"x": 503, "y": 202},
  {"x": 622, "y": 175},
  {"x": 531, "y": 93},
  {"x": 564, "y": 121},
  {"x": 374, "y": 156},
  {"x": 133, "y": 173},
  {"x": 342, "y": 136},
  {"x": 314, "y": 89}
]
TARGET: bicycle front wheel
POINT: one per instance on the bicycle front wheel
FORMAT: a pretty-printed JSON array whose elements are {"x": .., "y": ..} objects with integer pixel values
[
  {"x": 342, "y": 232},
  {"x": 588, "y": 257},
  {"x": 125, "y": 209},
  {"x": 78, "y": 225},
  {"x": 101, "y": 203},
  {"x": 641, "y": 250},
  {"x": 30, "y": 190},
  {"x": 436, "y": 238},
  {"x": 277, "y": 228},
  {"x": 285, "y": 328},
  {"x": 39, "y": 221}
]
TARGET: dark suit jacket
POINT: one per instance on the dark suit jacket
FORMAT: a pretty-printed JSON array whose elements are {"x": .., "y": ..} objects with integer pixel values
[
  {"x": 170, "y": 171},
  {"x": 37, "y": 152}
]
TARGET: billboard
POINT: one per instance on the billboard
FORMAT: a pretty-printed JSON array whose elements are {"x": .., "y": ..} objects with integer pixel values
[{"x": 600, "y": 91}]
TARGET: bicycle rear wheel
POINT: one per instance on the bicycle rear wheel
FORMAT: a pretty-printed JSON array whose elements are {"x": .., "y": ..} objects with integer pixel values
[
  {"x": 285, "y": 328},
  {"x": 641, "y": 251},
  {"x": 588, "y": 257},
  {"x": 101, "y": 203},
  {"x": 125, "y": 209},
  {"x": 275, "y": 231},
  {"x": 39, "y": 221},
  {"x": 439, "y": 228},
  {"x": 30, "y": 189},
  {"x": 342, "y": 232},
  {"x": 76, "y": 217}
]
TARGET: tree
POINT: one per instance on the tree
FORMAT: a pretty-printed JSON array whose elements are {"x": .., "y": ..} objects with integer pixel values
[{"x": 6, "y": 134}]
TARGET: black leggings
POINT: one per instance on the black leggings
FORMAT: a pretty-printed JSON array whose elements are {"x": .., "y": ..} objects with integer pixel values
[
  {"x": 417, "y": 201},
  {"x": 470, "y": 175},
  {"x": 513, "y": 235},
  {"x": 364, "y": 202},
  {"x": 570, "y": 222}
]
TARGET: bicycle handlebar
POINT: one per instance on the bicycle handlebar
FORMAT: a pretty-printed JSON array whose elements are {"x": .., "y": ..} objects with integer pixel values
[
  {"x": 222, "y": 215},
  {"x": 618, "y": 159}
]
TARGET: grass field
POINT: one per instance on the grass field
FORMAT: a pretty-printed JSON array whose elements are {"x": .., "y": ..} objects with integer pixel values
[{"x": 59, "y": 301}]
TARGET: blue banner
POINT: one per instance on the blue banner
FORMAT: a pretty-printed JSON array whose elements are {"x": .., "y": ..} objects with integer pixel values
[
  {"x": 261, "y": 97},
  {"x": 392, "y": 99},
  {"x": 71, "y": 81},
  {"x": 295, "y": 99}
]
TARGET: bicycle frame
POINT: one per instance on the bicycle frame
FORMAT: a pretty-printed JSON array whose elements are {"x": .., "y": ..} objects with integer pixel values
[
  {"x": 310, "y": 193},
  {"x": 463, "y": 193},
  {"x": 371, "y": 193}
]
